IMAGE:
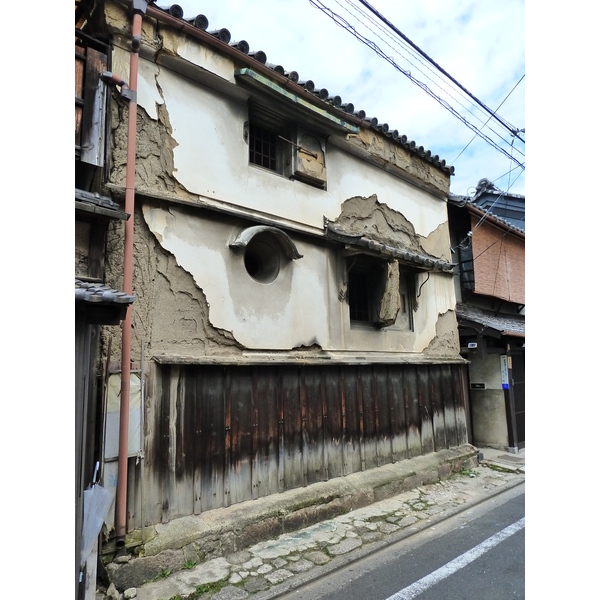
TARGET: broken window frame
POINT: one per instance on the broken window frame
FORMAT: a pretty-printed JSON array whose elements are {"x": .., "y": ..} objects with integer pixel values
[
  {"x": 284, "y": 153},
  {"x": 366, "y": 279}
]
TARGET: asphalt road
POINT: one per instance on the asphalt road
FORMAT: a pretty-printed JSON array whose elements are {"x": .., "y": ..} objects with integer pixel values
[{"x": 478, "y": 554}]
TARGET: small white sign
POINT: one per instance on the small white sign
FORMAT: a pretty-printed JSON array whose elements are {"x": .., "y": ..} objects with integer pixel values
[
  {"x": 504, "y": 371},
  {"x": 472, "y": 345}
]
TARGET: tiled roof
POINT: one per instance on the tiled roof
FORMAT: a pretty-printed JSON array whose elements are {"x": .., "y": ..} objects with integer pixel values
[
  {"x": 409, "y": 256},
  {"x": 461, "y": 201},
  {"x": 201, "y": 23},
  {"x": 96, "y": 293},
  {"x": 505, "y": 324}
]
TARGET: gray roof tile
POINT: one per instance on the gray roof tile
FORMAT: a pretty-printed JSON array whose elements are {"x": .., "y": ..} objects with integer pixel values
[
  {"x": 97, "y": 293},
  {"x": 327, "y": 98}
]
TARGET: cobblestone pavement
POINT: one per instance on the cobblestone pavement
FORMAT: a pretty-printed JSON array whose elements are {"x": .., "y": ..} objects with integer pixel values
[{"x": 270, "y": 568}]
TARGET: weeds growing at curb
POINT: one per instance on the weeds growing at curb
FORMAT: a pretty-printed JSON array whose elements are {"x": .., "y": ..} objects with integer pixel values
[
  {"x": 164, "y": 573},
  {"x": 500, "y": 469}
]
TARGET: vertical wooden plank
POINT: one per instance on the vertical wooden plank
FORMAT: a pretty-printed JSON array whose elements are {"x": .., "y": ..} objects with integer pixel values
[
  {"x": 94, "y": 113},
  {"x": 267, "y": 431},
  {"x": 397, "y": 413},
  {"x": 448, "y": 401},
  {"x": 365, "y": 408},
  {"x": 325, "y": 430},
  {"x": 213, "y": 440},
  {"x": 371, "y": 411},
  {"x": 255, "y": 441},
  {"x": 79, "y": 82},
  {"x": 305, "y": 436},
  {"x": 240, "y": 476},
  {"x": 384, "y": 426},
  {"x": 413, "y": 417},
  {"x": 333, "y": 427},
  {"x": 459, "y": 403},
  {"x": 280, "y": 434},
  {"x": 228, "y": 446},
  {"x": 168, "y": 408},
  {"x": 427, "y": 445},
  {"x": 293, "y": 427},
  {"x": 197, "y": 448},
  {"x": 437, "y": 406},
  {"x": 353, "y": 430},
  {"x": 314, "y": 424},
  {"x": 185, "y": 434},
  {"x": 343, "y": 424}
]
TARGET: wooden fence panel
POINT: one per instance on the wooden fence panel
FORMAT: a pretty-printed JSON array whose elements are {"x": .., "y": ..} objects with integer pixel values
[{"x": 222, "y": 435}]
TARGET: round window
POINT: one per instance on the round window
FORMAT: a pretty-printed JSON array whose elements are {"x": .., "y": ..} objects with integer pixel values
[{"x": 262, "y": 259}]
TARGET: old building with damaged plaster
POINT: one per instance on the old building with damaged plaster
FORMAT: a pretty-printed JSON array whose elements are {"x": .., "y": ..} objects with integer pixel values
[{"x": 294, "y": 314}]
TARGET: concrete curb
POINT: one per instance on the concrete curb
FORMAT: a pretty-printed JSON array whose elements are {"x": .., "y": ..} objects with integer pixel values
[{"x": 222, "y": 532}]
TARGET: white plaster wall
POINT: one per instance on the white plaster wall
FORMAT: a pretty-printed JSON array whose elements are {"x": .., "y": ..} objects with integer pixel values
[
  {"x": 300, "y": 308},
  {"x": 211, "y": 159},
  {"x": 290, "y": 312}
]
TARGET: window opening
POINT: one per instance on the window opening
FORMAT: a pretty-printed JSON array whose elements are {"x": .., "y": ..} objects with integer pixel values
[
  {"x": 263, "y": 147},
  {"x": 366, "y": 281},
  {"x": 380, "y": 293},
  {"x": 262, "y": 259}
]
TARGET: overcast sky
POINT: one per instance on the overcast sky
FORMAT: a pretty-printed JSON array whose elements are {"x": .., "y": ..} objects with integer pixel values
[{"x": 480, "y": 44}]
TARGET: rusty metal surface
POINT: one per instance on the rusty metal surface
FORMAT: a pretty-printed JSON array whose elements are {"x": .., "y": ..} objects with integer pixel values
[{"x": 224, "y": 434}]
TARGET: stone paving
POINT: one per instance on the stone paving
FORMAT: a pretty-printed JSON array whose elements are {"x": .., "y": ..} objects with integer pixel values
[{"x": 276, "y": 566}]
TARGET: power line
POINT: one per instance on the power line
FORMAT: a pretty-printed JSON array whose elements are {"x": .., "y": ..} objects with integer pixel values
[
  {"x": 344, "y": 24},
  {"x": 504, "y": 123},
  {"x": 501, "y": 103},
  {"x": 399, "y": 46}
]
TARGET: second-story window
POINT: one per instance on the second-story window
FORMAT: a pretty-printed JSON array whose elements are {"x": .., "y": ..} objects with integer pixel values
[
  {"x": 280, "y": 145},
  {"x": 263, "y": 147}
]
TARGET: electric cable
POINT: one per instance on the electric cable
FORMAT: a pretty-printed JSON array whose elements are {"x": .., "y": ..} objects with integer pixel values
[
  {"x": 340, "y": 21},
  {"x": 504, "y": 123}
]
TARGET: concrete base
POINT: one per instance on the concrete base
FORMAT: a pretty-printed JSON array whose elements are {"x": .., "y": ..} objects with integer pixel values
[{"x": 224, "y": 531}]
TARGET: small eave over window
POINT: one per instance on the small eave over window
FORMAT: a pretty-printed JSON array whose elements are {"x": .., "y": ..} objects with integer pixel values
[
  {"x": 361, "y": 243},
  {"x": 265, "y": 249}
]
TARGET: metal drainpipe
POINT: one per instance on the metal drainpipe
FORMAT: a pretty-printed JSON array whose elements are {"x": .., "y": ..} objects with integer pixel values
[{"x": 138, "y": 9}]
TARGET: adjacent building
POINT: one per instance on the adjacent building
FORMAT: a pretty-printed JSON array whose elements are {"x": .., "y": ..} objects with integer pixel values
[{"x": 489, "y": 246}]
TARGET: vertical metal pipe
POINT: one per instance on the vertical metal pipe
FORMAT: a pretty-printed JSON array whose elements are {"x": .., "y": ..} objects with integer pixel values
[{"x": 121, "y": 497}]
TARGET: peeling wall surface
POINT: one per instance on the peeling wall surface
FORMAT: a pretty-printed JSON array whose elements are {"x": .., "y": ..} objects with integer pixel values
[
  {"x": 191, "y": 147},
  {"x": 243, "y": 292}
]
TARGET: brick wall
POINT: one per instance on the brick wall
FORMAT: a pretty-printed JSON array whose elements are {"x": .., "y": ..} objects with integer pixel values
[{"x": 499, "y": 263}]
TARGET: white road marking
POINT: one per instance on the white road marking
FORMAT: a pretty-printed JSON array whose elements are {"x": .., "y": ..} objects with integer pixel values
[{"x": 418, "y": 587}]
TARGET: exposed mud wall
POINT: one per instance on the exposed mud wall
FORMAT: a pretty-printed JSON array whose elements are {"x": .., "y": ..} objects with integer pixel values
[
  {"x": 446, "y": 341},
  {"x": 383, "y": 151},
  {"x": 367, "y": 216},
  {"x": 154, "y": 151},
  {"x": 170, "y": 314}
]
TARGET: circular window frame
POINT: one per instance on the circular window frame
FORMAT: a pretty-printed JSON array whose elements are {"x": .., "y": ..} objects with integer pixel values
[
  {"x": 266, "y": 248},
  {"x": 262, "y": 259}
]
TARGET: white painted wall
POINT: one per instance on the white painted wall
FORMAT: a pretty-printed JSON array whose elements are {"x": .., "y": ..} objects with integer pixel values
[
  {"x": 211, "y": 159},
  {"x": 301, "y": 307}
]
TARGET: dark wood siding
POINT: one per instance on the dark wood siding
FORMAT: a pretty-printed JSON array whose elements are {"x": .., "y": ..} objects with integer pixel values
[{"x": 227, "y": 434}]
